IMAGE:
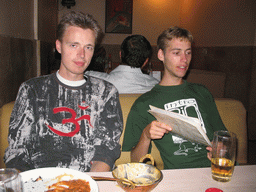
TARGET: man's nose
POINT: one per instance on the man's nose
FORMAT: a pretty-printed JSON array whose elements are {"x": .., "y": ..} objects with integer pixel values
[
  {"x": 82, "y": 53},
  {"x": 184, "y": 57}
]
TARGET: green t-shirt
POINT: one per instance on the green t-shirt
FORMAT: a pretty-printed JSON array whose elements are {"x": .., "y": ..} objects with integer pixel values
[{"x": 189, "y": 99}]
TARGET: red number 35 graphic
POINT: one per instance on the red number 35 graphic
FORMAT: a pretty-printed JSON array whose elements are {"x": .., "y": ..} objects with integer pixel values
[{"x": 73, "y": 120}]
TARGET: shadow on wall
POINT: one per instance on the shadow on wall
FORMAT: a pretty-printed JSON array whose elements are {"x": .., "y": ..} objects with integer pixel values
[
  {"x": 252, "y": 123},
  {"x": 214, "y": 81},
  {"x": 50, "y": 58},
  {"x": 235, "y": 62},
  {"x": 17, "y": 64}
]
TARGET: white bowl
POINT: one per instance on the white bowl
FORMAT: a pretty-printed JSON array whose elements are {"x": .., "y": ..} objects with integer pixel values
[{"x": 49, "y": 175}]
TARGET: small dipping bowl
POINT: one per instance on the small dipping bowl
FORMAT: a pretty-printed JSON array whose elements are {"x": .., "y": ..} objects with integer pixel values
[{"x": 138, "y": 176}]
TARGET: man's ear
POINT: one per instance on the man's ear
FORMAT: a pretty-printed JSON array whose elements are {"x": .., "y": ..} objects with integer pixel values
[
  {"x": 160, "y": 55},
  {"x": 58, "y": 45}
]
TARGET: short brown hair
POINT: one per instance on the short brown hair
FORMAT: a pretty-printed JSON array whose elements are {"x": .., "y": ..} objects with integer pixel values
[
  {"x": 79, "y": 19},
  {"x": 172, "y": 33}
]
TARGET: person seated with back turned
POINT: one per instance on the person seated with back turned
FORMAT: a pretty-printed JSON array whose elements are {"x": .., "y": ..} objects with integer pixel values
[
  {"x": 98, "y": 60},
  {"x": 67, "y": 119},
  {"x": 177, "y": 95},
  {"x": 135, "y": 53}
]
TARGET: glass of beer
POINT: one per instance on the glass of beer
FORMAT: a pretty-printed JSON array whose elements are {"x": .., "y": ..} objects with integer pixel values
[
  {"x": 10, "y": 180},
  {"x": 223, "y": 155}
]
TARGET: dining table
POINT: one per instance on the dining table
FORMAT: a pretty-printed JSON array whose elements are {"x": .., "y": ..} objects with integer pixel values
[{"x": 192, "y": 180}]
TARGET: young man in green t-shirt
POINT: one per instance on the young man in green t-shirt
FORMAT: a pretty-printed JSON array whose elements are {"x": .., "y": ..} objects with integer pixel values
[{"x": 177, "y": 95}]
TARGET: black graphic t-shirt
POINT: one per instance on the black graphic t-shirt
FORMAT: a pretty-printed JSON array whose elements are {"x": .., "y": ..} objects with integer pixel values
[{"x": 54, "y": 125}]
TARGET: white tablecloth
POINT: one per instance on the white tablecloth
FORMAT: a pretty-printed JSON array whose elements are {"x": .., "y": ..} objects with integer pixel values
[{"x": 192, "y": 180}]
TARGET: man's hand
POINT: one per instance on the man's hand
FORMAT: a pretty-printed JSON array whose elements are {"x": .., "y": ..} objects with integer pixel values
[
  {"x": 156, "y": 130},
  {"x": 99, "y": 166},
  {"x": 209, "y": 154}
]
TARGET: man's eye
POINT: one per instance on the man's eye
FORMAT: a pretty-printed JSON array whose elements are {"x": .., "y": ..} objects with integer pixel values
[
  {"x": 90, "y": 48},
  {"x": 73, "y": 45},
  {"x": 176, "y": 53},
  {"x": 189, "y": 53}
]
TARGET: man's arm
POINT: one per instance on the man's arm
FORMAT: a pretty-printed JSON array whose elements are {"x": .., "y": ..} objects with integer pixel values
[
  {"x": 154, "y": 130},
  {"x": 99, "y": 166},
  {"x": 21, "y": 122},
  {"x": 109, "y": 130}
]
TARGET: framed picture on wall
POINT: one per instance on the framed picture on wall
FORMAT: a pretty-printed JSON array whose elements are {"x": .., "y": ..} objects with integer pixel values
[{"x": 118, "y": 17}]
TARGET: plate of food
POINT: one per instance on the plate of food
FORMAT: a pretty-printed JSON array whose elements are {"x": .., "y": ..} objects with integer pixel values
[{"x": 54, "y": 179}]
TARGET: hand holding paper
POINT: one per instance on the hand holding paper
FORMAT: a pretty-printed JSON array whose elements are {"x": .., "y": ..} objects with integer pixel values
[
  {"x": 156, "y": 130},
  {"x": 184, "y": 126}
]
